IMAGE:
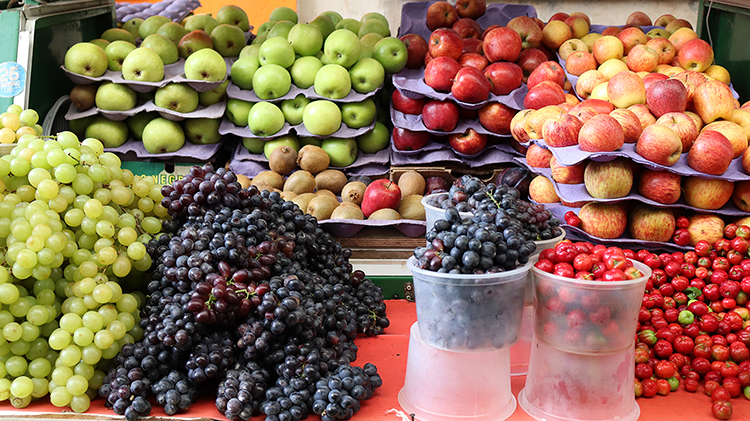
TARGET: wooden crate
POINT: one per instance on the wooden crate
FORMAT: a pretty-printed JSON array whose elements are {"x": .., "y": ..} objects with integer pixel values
[{"x": 452, "y": 172}]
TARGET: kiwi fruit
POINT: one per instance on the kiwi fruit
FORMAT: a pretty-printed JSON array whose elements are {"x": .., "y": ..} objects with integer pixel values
[
  {"x": 243, "y": 180},
  {"x": 269, "y": 178},
  {"x": 313, "y": 159},
  {"x": 333, "y": 180},
  {"x": 303, "y": 200},
  {"x": 410, "y": 182},
  {"x": 264, "y": 186},
  {"x": 300, "y": 182},
  {"x": 385, "y": 214},
  {"x": 321, "y": 207},
  {"x": 353, "y": 192},
  {"x": 411, "y": 207},
  {"x": 324, "y": 192},
  {"x": 84, "y": 96},
  {"x": 288, "y": 195},
  {"x": 347, "y": 212},
  {"x": 283, "y": 160}
]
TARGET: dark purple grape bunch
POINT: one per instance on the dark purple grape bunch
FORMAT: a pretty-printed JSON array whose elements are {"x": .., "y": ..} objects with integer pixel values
[
  {"x": 174, "y": 392},
  {"x": 339, "y": 395},
  {"x": 211, "y": 356},
  {"x": 241, "y": 391}
]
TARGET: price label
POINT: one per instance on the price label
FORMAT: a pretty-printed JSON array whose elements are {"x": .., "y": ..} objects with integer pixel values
[{"x": 12, "y": 79}]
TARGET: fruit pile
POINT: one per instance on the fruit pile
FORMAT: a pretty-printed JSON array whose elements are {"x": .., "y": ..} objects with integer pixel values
[{"x": 16, "y": 122}]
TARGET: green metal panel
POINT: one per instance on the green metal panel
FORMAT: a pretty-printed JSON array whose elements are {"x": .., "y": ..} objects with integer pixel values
[
  {"x": 10, "y": 21},
  {"x": 729, "y": 29},
  {"x": 393, "y": 286}
]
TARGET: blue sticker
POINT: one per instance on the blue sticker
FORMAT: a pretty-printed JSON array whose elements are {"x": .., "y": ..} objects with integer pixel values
[{"x": 12, "y": 79}]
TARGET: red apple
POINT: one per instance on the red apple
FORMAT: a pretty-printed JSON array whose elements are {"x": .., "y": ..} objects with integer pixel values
[
  {"x": 555, "y": 33},
  {"x": 638, "y": 18},
  {"x": 535, "y": 122},
  {"x": 680, "y": 37},
  {"x": 472, "y": 9},
  {"x": 472, "y": 45},
  {"x": 626, "y": 89},
  {"x": 581, "y": 15},
  {"x": 518, "y": 126},
  {"x": 631, "y": 126},
  {"x": 660, "y": 145},
  {"x": 648, "y": 223},
  {"x": 598, "y": 105},
  {"x": 601, "y": 133},
  {"x": 746, "y": 161},
  {"x": 561, "y": 16},
  {"x": 474, "y": 60},
  {"x": 696, "y": 55},
  {"x": 588, "y": 81},
  {"x": 543, "y": 94},
  {"x": 441, "y": 15},
  {"x": 531, "y": 34},
  {"x": 435, "y": 185},
  {"x": 467, "y": 28},
  {"x": 660, "y": 186},
  {"x": 713, "y": 100},
  {"x": 416, "y": 48},
  {"x": 440, "y": 72},
  {"x": 642, "y": 58},
  {"x": 644, "y": 115},
  {"x": 683, "y": 125},
  {"x": 505, "y": 77},
  {"x": 611, "y": 30},
  {"x": 470, "y": 85},
  {"x": 580, "y": 62},
  {"x": 530, "y": 59},
  {"x": 445, "y": 42},
  {"x": 607, "y": 47},
  {"x": 705, "y": 227},
  {"x": 583, "y": 113},
  {"x": 427, "y": 58},
  {"x": 664, "y": 20},
  {"x": 631, "y": 37},
  {"x": 380, "y": 194},
  {"x": 496, "y": 117},
  {"x": 537, "y": 156},
  {"x": 741, "y": 195},
  {"x": 548, "y": 70},
  {"x": 733, "y": 132},
  {"x": 579, "y": 28},
  {"x": 711, "y": 153},
  {"x": 652, "y": 78},
  {"x": 571, "y": 174},
  {"x": 709, "y": 194},
  {"x": 468, "y": 143},
  {"x": 502, "y": 44},
  {"x": 603, "y": 220},
  {"x": 408, "y": 140},
  {"x": 488, "y": 29},
  {"x": 610, "y": 179},
  {"x": 665, "y": 51},
  {"x": 571, "y": 46},
  {"x": 407, "y": 105},
  {"x": 541, "y": 190},
  {"x": 666, "y": 96},
  {"x": 562, "y": 131},
  {"x": 440, "y": 115}
]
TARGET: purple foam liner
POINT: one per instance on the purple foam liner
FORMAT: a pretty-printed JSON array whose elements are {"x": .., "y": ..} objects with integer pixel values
[
  {"x": 494, "y": 154},
  {"x": 234, "y": 91},
  {"x": 345, "y": 131},
  {"x": 189, "y": 150},
  {"x": 414, "y": 123}
]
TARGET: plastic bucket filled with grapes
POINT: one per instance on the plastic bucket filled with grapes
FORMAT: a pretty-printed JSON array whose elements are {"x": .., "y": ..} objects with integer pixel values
[{"x": 433, "y": 208}]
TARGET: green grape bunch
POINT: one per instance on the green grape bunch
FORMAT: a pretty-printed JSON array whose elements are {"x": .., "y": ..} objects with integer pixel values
[{"x": 73, "y": 232}]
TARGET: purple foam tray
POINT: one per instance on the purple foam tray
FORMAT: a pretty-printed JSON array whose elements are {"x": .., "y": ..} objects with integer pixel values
[
  {"x": 410, "y": 82},
  {"x": 234, "y": 91},
  {"x": 492, "y": 155},
  {"x": 414, "y": 123},
  {"x": 432, "y": 145},
  {"x": 578, "y": 193},
  {"x": 572, "y": 155},
  {"x": 413, "y": 16},
  {"x": 349, "y": 227},
  {"x": 189, "y": 150},
  {"x": 176, "y": 10},
  {"x": 344, "y": 131},
  {"x": 212, "y": 111}
]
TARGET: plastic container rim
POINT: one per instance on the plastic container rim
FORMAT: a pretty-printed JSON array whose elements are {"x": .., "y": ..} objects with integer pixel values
[
  {"x": 594, "y": 284},
  {"x": 496, "y": 278}
]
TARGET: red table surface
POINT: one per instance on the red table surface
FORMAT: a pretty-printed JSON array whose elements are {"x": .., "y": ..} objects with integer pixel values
[{"x": 388, "y": 352}]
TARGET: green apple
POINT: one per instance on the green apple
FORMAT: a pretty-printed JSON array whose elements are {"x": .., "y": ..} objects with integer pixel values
[
  {"x": 237, "y": 111},
  {"x": 115, "y": 34},
  {"x": 265, "y": 28},
  {"x": 132, "y": 26},
  {"x": 281, "y": 29},
  {"x": 254, "y": 144},
  {"x": 163, "y": 46},
  {"x": 265, "y": 119},
  {"x": 243, "y": 70},
  {"x": 214, "y": 96},
  {"x": 205, "y": 64},
  {"x": 137, "y": 122},
  {"x": 293, "y": 109},
  {"x": 116, "y": 52},
  {"x": 101, "y": 43},
  {"x": 260, "y": 39},
  {"x": 373, "y": 26},
  {"x": 310, "y": 141},
  {"x": 178, "y": 97},
  {"x": 334, "y": 16},
  {"x": 194, "y": 41},
  {"x": 143, "y": 65},
  {"x": 250, "y": 51},
  {"x": 306, "y": 40},
  {"x": 86, "y": 59},
  {"x": 391, "y": 53},
  {"x": 163, "y": 136},
  {"x": 202, "y": 131},
  {"x": 115, "y": 97},
  {"x": 368, "y": 44},
  {"x": 233, "y": 15},
  {"x": 350, "y": 24},
  {"x": 374, "y": 15},
  {"x": 283, "y": 13},
  {"x": 172, "y": 31},
  {"x": 304, "y": 70},
  {"x": 228, "y": 40},
  {"x": 276, "y": 50},
  {"x": 324, "y": 24},
  {"x": 359, "y": 114},
  {"x": 343, "y": 152},
  {"x": 333, "y": 81},
  {"x": 111, "y": 133},
  {"x": 287, "y": 140},
  {"x": 367, "y": 75},
  {"x": 203, "y": 21},
  {"x": 375, "y": 140},
  {"x": 322, "y": 117},
  {"x": 271, "y": 81},
  {"x": 79, "y": 125},
  {"x": 342, "y": 47},
  {"x": 151, "y": 25}
]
